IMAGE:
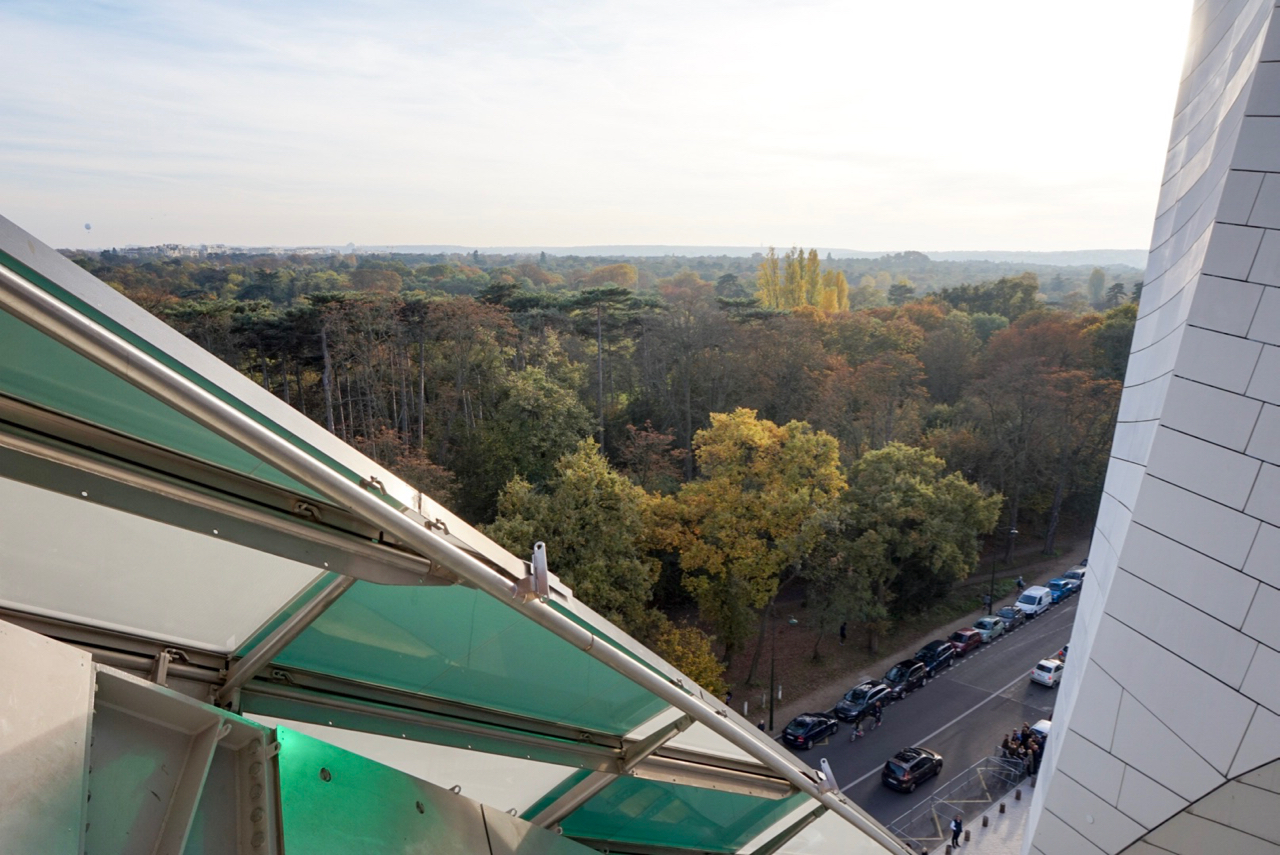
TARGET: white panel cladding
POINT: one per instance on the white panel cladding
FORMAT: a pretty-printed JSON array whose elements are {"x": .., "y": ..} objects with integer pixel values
[
  {"x": 1266, "y": 208},
  {"x": 1219, "y": 360},
  {"x": 1147, "y": 744},
  {"x": 1146, "y": 801},
  {"x": 1262, "y": 739},
  {"x": 1212, "y": 471},
  {"x": 1187, "y": 834},
  {"x": 1264, "y": 444},
  {"x": 1097, "y": 820},
  {"x": 1161, "y": 682},
  {"x": 1195, "y": 521},
  {"x": 1091, "y": 766},
  {"x": 1227, "y": 305},
  {"x": 1262, "y": 563},
  {"x": 1252, "y": 810},
  {"x": 1238, "y": 197},
  {"x": 1265, "y": 384},
  {"x": 1210, "y": 645},
  {"x": 1265, "y": 269},
  {"x": 1211, "y": 586},
  {"x": 1209, "y": 413},
  {"x": 45, "y": 710}
]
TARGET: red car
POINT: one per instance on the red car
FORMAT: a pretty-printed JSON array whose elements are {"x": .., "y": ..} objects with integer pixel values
[{"x": 964, "y": 640}]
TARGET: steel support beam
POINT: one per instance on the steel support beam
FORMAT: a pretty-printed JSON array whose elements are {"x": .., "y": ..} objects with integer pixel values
[
  {"x": 187, "y": 792},
  {"x": 66, "y": 325},
  {"x": 256, "y": 659},
  {"x": 782, "y": 838},
  {"x": 590, "y": 786}
]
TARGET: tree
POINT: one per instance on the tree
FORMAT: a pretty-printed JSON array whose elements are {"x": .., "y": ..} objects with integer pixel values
[
  {"x": 594, "y": 522},
  {"x": 689, "y": 649},
  {"x": 741, "y": 525},
  {"x": 1097, "y": 282},
  {"x": 901, "y": 292},
  {"x": 769, "y": 282},
  {"x": 1115, "y": 295},
  {"x": 900, "y": 536}
]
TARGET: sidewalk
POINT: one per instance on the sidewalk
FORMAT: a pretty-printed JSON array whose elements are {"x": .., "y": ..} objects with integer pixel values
[
  {"x": 1004, "y": 834},
  {"x": 825, "y": 698}
]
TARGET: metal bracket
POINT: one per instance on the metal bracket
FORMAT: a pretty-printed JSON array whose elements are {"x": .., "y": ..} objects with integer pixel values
[
  {"x": 827, "y": 778},
  {"x": 160, "y": 671},
  {"x": 535, "y": 586},
  {"x": 373, "y": 482}
]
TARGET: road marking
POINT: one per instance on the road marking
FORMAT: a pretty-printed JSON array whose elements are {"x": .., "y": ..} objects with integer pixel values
[{"x": 968, "y": 712}]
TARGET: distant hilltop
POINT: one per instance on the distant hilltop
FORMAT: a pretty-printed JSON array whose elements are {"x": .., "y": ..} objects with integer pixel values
[
  {"x": 1136, "y": 258},
  {"x": 1060, "y": 258}
]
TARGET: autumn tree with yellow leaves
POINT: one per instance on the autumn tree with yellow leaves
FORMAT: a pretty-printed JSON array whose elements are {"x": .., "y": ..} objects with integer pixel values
[{"x": 740, "y": 527}]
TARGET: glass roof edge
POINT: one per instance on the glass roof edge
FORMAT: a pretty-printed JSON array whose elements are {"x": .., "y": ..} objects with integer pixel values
[
  {"x": 64, "y": 280},
  {"x": 68, "y": 282}
]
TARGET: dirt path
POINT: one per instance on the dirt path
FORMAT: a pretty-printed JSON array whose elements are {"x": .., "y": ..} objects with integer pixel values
[{"x": 824, "y": 695}]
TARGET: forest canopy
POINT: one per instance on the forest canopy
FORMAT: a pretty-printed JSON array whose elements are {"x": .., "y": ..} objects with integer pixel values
[{"x": 694, "y": 432}]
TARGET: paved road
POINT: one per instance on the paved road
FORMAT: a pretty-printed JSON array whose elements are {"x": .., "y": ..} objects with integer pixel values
[{"x": 963, "y": 714}]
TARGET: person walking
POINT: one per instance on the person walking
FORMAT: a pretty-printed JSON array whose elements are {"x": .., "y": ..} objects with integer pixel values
[
  {"x": 1021, "y": 585},
  {"x": 956, "y": 827},
  {"x": 844, "y": 631},
  {"x": 878, "y": 713}
]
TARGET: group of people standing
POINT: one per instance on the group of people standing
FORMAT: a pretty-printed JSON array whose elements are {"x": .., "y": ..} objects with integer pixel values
[{"x": 1024, "y": 746}]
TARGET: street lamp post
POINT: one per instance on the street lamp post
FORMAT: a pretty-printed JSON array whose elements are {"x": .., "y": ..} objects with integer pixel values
[
  {"x": 991, "y": 594},
  {"x": 773, "y": 661}
]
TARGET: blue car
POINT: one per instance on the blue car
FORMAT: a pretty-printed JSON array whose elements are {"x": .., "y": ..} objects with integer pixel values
[{"x": 1063, "y": 588}]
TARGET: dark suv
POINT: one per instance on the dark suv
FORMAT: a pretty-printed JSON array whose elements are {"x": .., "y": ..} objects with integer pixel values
[
  {"x": 1012, "y": 616},
  {"x": 910, "y": 767},
  {"x": 906, "y": 676},
  {"x": 936, "y": 655},
  {"x": 860, "y": 698}
]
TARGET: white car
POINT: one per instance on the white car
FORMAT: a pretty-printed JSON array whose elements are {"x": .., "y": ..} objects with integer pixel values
[{"x": 1048, "y": 672}]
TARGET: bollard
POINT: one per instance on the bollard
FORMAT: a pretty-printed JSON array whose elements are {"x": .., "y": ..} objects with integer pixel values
[
  {"x": 1017, "y": 795},
  {"x": 966, "y": 835},
  {"x": 1033, "y": 782},
  {"x": 948, "y": 849},
  {"x": 986, "y": 820},
  {"x": 1002, "y": 807}
]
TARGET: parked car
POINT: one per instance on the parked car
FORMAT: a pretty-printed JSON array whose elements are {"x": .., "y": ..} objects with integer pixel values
[
  {"x": 860, "y": 698},
  {"x": 1061, "y": 655},
  {"x": 905, "y": 677},
  {"x": 1041, "y": 730},
  {"x": 1012, "y": 616},
  {"x": 964, "y": 640},
  {"x": 911, "y": 767},
  {"x": 1060, "y": 589},
  {"x": 1076, "y": 573},
  {"x": 936, "y": 655},
  {"x": 807, "y": 728},
  {"x": 1035, "y": 600},
  {"x": 990, "y": 628},
  {"x": 1048, "y": 672}
]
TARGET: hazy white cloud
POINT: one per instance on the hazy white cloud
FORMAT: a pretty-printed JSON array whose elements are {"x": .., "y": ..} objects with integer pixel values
[{"x": 859, "y": 124}]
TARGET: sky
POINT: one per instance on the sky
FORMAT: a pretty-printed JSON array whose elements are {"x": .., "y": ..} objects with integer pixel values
[{"x": 858, "y": 124}]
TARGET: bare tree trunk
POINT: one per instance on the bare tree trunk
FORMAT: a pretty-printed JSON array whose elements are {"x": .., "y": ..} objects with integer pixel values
[
  {"x": 326, "y": 379},
  {"x": 766, "y": 618}
]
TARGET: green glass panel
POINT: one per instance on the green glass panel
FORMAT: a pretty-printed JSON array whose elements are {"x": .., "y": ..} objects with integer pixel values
[
  {"x": 36, "y": 369},
  {"x": 287, "y": 612},
  {"x": 556, "y": 792},
  {"x": 335, "y": 802},
  {"x": 658, "y": 813},
  {"x": 460, "y": 644}
]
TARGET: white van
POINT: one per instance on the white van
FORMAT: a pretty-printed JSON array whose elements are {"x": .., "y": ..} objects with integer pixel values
[{"x": 1034, "y": 600}]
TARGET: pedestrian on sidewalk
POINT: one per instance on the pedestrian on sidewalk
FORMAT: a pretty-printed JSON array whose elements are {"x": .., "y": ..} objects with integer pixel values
[
  {"x": 1021, "y": 585},
  {"x": 956, "y": 827}
]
